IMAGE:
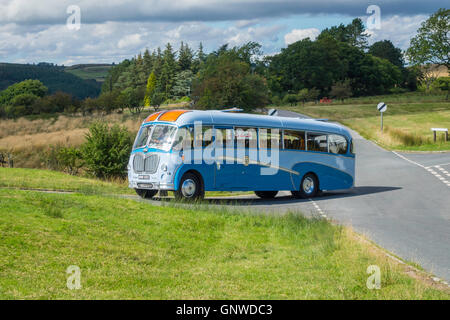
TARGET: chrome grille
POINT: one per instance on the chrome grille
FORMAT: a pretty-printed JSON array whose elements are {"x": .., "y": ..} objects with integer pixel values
[
  {"x": 138, "y": 163},
  {"x": 151, "y": 163}
]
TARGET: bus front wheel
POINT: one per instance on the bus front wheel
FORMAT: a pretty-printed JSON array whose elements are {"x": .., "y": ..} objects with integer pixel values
[
  {"x": 190, "y": 188},
  {"x": 146, "y": 194},
  {"x": 266, "y": 194},
  {"x": 308, "y": 187}
]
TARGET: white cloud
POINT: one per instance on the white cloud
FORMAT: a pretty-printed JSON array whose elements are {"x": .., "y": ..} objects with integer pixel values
[
  {"x": 130, "y": 41},
  {"x": 300, "y": 34}
]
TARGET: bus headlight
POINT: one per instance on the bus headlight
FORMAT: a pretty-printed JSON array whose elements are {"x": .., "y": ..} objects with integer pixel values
[{"x": 164, "y": 167}]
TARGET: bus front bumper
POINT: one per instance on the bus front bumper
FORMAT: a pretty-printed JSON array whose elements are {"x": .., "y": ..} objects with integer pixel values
[{"x": 148, "y": 185}]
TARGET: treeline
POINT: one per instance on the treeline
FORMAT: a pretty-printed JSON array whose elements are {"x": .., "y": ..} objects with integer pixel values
[{"x": 52, "y": 76}]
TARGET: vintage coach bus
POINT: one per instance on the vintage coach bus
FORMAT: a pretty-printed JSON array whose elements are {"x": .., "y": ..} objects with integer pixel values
[{"x": 190, "y": 152}]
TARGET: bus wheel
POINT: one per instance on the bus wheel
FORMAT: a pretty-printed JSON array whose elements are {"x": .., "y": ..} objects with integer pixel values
[
  {"x": 266, "y": 194},
  {"x": 146, "y": 194},
  {"x": 308, "y": 187},
  {"x": 190, "y": 188}
]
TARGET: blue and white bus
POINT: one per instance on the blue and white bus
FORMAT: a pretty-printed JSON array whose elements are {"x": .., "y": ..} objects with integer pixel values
[{"x": 190, "y": 152}]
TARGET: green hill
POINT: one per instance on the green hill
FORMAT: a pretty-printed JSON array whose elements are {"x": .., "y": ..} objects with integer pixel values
[
  {"x": 53, "y": 77},
  {"x": 97, "y": 72}
]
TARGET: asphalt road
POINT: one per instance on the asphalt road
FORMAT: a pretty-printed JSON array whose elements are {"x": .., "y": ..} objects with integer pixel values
[{"x": 400, "y": 201}]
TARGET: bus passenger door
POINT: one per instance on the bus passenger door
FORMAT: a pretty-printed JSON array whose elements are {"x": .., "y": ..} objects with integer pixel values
[{"x": 225, "y": 162}]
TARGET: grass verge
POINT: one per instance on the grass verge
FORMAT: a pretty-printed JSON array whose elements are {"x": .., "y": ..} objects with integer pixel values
[{"x": 132, "y": 250}]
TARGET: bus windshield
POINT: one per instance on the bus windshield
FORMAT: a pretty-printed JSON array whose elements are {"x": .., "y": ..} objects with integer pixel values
[
  {"x": 142, "y": 137},
  {"x": 162, "y": 137}
]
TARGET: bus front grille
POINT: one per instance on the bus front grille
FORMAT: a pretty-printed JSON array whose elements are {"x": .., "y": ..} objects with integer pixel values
[
  {"x": 151, "y": 163},
  {"x": 138, "y": 163}
]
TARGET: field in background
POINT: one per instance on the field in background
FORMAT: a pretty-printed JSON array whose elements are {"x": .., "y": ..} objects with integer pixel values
[
  {"x": 132, "y": 250},
  {"x": 96, "y": 72},
  {"x": 407, "y": 121}
]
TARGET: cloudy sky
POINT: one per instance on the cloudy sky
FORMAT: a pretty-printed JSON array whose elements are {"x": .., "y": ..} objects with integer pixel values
[{"x": 36, "y": 30}]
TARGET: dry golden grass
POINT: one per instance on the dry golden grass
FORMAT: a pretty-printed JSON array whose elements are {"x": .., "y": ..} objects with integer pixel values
[
  {"x": 29, "y": 140},
  {"x": 23, "y": 133}
]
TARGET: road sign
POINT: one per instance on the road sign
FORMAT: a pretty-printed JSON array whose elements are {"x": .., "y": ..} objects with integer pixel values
[
  {"x": 273, "y": 112},
  {"x": 382, "y": 107}
]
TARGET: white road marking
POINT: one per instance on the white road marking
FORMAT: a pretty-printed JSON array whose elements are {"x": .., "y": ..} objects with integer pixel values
[
  {"x": 434, "y": 170},
  {"x": 316, "y": 206}
]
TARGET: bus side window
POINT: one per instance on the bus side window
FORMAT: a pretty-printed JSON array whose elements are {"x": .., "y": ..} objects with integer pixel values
[
  {"x": 267, "y": 136},
  {"x": 204, "y": 138},
  {"x": 294, "y": 140},
  {"x": 246, "y": 137},
  {"x": 224, "y": 138},
  {"x": 317, "y": 142},
  {"x": 337, "y": 144}
]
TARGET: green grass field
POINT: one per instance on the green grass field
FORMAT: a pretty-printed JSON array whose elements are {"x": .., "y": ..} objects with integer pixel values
[
  {"x": 133, "y": 250},
  {"x": 87, "y": 72},
  {"x": 407, "y": 121}
]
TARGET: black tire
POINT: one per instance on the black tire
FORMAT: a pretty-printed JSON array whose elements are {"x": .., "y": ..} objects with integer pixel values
[
  {"x": 266, "y": 194},
  {"x": 309, "y": 187},
  {"x": 192, "y": 190},
  {"x": 146, "y": 194}
]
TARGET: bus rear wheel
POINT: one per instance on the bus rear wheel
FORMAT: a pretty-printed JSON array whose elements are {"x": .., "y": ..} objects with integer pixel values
[
  {"x": 308, "y": 187},
  {"x": 190, "y": 188},
  {"x": 266, "y": 194},
  {"x": 146, "y": 194}
]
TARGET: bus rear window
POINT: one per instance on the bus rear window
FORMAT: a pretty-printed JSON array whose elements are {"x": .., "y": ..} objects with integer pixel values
[{"x": 337, "y": 144}]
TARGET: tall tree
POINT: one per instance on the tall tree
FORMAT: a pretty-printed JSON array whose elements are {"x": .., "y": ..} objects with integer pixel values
[
  {"x": 168, "y": 71},
  {"x": 151, "y": 86},
  {"x": 431, "y": 45},
  {"x": 430, "y": 48},
  {"x": 354, "y": 34},
  {"x": 185, "y": 57},
  {"x": 386, "y": 50}
]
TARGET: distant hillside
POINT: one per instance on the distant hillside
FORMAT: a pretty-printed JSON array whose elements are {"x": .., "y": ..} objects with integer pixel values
[
  {"x": 97, "y": 72},
  {"x": 54, "y": 77}
]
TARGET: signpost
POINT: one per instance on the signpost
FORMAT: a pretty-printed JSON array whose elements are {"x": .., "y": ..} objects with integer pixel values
[{"x": 382, "y": 107}]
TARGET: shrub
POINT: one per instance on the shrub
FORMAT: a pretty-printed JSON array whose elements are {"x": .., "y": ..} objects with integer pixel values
[
  {"x": 106, "y": 150},
  {"x": 69, "y": 160}
]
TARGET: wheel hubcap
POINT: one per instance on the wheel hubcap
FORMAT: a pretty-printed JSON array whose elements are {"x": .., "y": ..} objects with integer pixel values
[
  {"x": 308, "y": 185},
  {"x": 188, "y": 188}
]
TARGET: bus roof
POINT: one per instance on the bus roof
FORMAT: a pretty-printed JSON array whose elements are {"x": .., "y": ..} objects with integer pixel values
[{"x": 217, "y": 117}]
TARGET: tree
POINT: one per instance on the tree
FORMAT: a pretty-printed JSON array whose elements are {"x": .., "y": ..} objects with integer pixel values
[
  {"x": 157, "y": 99},
  {"x": 341, "y": 90},
  {"x": 430, "y": 48},
  {"x": 34, "y": 87},
  {"x": 132, "y": 99},
  {"x": 185, "y": 57},
  {"x": 303, "y": 95},
  {"x": 151, "y": 86},
  {"x": 168, "y": 71},
  {"x": 182, "y": 84},
  {"x": 226, "y": 81},
  {"x": 354, "y": 34},
  {"x": 386, "y": 50}
]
